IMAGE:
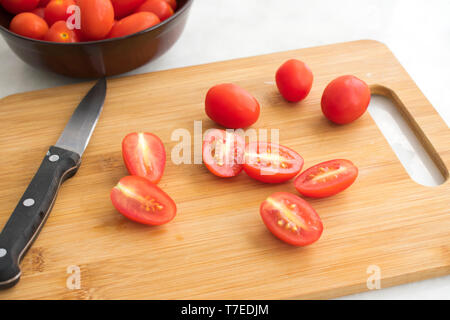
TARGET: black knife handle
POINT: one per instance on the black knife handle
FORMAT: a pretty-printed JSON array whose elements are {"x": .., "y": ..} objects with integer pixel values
[{"x": 32, "y": 211}]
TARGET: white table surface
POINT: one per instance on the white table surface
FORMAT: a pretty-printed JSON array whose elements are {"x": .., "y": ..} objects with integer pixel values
[{"x": 417, "y": 31}]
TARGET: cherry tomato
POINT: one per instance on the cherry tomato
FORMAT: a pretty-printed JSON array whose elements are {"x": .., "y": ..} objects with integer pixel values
[
  {"x": 142, "y": 201},
  {"x": 271, "y": 163},
  {"x": 40, "y": 12},
  {"x": 56, "y": 10},
  {"x": 144, "y": 155},
  {"x": 134, "y": 23},
  {"x": 172, "y": 3},
  {"x": 18, "y": 6},
  {"x": 97, "y": 18},
  {"x": 291, "y": 219},
  {"x": 345, "y": 99},
  {"x": 326, "y": 179},
  {"x": 294, "y": 80},
  {"x": 59, "y": 32},
  {"x": 159, "y": 7},
  {"x": 123, "y": 8},
  {"x": 231, "y": 106},
  {"x": 29, "y": 25},
  {"x": 223, "y": 153}
]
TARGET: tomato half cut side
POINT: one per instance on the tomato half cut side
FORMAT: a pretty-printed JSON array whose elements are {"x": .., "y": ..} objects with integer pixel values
[
  {"x": 144, "y": 155},
  {"x": 327, "y": 178},
  {"x": 291, "y": 219},
  {"x": 141, "y": 201},
  {"x": 223, "y": 153},
  {"x": 271, "y": 163}
]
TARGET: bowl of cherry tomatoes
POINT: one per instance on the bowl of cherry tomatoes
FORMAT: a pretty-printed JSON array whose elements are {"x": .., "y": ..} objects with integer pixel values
[{"x": 91, "y": 38}]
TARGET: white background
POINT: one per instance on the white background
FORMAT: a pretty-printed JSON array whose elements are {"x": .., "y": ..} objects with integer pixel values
[{"x": 417, "y": 31}]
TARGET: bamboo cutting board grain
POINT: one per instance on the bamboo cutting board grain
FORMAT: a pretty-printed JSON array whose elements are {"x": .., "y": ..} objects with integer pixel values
[{"x": 217, "y": 246}]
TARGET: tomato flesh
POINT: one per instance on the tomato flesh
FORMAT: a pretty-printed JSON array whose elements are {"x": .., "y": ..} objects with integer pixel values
[
  {"x": 291, "y": 219},
  {"x": 223, "y": 153},
  {"x": 140, "y": 200},
  {"x": 327, "y": 178},
  {"x": 271, "y": 163},
  {"x": 144, "y": 155}
]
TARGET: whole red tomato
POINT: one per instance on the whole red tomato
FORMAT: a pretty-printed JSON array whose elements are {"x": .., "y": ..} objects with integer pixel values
[
  {"x": 345, "y": 99},
  {"x": 18, "y": 6},
  {"x": 123, "y": 8},
  {"x": 294, "y": 80},
  {"x": 159, "y": 7},
  {"x": 59, "y": 32},
  {"x": 97, "y": 18},
  {"x": 56, "y": 10},
  {"x": 134, "y": 23},
  {"x": 231, "y": 106},
  {"x": 29, "y": 25}
]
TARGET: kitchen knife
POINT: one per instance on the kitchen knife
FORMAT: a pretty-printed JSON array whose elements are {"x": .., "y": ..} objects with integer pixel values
[{"x": 60, "y": 163}]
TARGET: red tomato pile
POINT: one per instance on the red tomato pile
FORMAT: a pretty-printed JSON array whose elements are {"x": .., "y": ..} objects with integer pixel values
[
  {"x": 226, "y": 154},
  {"x": 137, "y": 196},
  {"x": 52, "y": 20}
]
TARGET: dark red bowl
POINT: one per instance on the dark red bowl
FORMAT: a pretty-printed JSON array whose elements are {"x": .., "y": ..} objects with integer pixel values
[{"x": 98, "y": 58}]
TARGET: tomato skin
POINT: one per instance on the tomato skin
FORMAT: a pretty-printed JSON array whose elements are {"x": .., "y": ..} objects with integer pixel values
[
  {"x": 123, "y": 8},
  {"x": 144, "y": 155},
  {"x": 59, "y": 32},
  {"x": 223, "y": 164},
  {"x": 18, "y": 6},
  {"x": 294, "y": 80},
  {"x": 29, "y": 25},
  {"x": 134, "y": 23},
  {"x": 40, "y": 12},
  {"x": 172, "y": 3},
  {"x": 330, "y": 185},
  {"x": 142, "y": 201},
  {"x": 291, "y": 219},
  {"x": 56, "y": 10},
  {"x": 97, "y": 18},
  {"x": 231, "y": 106},
  {"x": 159, "y": 7},
  {"x": 263, "y": 170},
  {"x": 345, "y": 99},
  {"x": 43, "y": 3}
]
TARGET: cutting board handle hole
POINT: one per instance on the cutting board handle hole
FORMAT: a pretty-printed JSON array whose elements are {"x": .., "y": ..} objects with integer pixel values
[{"x": 406, "y": 138}]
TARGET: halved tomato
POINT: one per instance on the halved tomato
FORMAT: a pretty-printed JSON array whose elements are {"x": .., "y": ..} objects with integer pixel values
[
  {"x": 140, "y": 200},
  {"x": 144, "y": 155},
  {"x": 326, "y": 178},
  {"x": 271, "y": 163},
  {"x": 223, "y": 152},
  {"x": 291, "y": 219}
]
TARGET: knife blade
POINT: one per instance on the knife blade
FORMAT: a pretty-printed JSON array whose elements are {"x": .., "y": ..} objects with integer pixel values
[{"x": 60, "y": 163}]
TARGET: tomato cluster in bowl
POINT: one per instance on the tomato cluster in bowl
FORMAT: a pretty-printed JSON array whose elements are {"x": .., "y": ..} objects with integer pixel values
[{"x": 69, "y": 21}]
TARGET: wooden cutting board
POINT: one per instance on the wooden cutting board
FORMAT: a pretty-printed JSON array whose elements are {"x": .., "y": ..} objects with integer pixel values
[{"x": 217, "y": 247}]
